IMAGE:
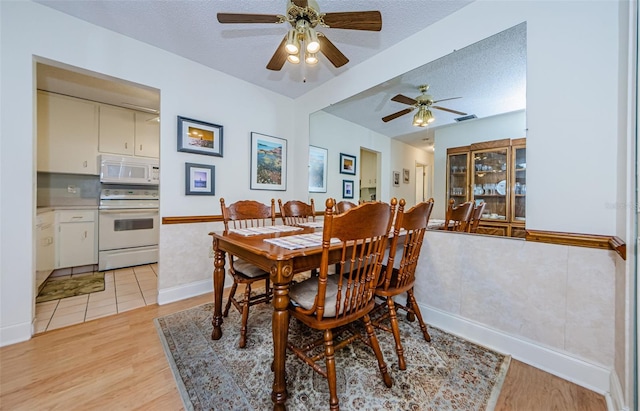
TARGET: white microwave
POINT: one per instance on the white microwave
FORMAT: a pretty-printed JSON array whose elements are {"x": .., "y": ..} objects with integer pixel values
[{"x": 129, "y": 170}]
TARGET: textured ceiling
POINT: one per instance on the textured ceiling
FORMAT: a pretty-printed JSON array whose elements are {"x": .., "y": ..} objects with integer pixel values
[{"x": 489, "y": 76}]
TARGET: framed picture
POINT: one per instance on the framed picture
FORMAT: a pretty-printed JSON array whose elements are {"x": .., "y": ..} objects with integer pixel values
[
  {"x": 405, "y": 175},
  {"x": 198, "y": 137},
  {"x": 200, "y": 179},
  {"x": 268, "y": 162},
  {"x": 347, "y": 188},
  {"x": 396, "y": 178},
  {"x": 347, "y": 164},
  {"x": 317, "y": 169}
]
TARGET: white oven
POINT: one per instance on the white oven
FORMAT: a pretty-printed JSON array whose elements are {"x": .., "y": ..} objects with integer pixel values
[
  {"x": 128, "y": 228},
  {"x": 129, "y": 170}
]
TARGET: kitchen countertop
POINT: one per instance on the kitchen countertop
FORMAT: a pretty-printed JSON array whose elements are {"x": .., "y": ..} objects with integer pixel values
[{"x": 40, "y": 210}]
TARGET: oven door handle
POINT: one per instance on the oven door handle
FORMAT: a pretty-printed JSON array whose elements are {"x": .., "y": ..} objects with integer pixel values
[{"x": 129, "y": 211}]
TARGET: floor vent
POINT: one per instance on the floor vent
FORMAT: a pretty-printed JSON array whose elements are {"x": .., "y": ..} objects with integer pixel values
[{"x": 465, "y": 118}]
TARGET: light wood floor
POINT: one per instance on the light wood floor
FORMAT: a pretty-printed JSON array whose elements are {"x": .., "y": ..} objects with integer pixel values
[{"x": 117, "y": 363}]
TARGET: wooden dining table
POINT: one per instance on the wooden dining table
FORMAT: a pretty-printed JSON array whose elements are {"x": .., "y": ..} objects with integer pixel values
[{"x": 282, "y": 264}]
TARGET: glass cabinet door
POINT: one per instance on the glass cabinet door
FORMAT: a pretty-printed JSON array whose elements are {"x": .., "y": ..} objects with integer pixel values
[
  {"x": 457, "y": 182},
  {"x": 520, "y": 182},
  {"x": 490, "y": 182}
]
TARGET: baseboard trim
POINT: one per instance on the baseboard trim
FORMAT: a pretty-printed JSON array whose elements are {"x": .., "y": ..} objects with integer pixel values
[
  {"x": 616, "y": 400},
  {"x": 182, "y": 292},
  {"x": 15, "y": 334},
  {"x": 593, "y": 377}
]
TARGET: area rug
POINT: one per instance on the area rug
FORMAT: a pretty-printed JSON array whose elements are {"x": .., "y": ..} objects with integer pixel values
[
  {"x": 56, "y": 288},
  {"x": 448, "y": 373}
]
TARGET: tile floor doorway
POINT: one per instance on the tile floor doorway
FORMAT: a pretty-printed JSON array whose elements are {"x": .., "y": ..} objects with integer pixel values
[{"x": 124, "y": 289}]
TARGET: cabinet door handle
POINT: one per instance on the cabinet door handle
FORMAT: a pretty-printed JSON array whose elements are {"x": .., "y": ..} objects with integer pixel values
[
  {"x": 85, "y": 234},
  {"x": 84, "y": 164},
  {"x": 140, "y": 147},
  {"x": 126, "y": 145}
]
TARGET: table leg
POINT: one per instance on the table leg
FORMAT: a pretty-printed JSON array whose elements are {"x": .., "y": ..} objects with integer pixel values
[
  {"x": 218, "y": 288},
  {"x": 281, "y": 278}
]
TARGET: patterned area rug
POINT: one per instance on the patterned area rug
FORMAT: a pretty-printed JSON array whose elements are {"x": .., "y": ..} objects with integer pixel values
[
  {"x": 55, "y": 288},
  {"x": 447, "y": 374}
]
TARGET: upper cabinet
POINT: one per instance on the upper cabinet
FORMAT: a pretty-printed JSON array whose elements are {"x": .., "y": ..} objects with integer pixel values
[
  {"x": 117, "y": 130},
  {"x": 494, "y": 173},
  {"x": 67, "y": 134},
  {"x": 147, "y": 141},
  {"x": 72, "y": 132}
]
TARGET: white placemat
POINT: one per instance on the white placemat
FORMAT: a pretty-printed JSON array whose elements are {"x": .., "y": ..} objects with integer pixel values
[
  {"x": 293, "y": 242},
  {"x": 264, "y": 230}
]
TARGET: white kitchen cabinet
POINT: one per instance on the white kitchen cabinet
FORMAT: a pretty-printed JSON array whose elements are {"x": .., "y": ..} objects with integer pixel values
[
  {"x": 77, "y": 242},
  {"x": 117, "y": 130},
  {"x": 147, "y": 135},
  {"x": 67, "y": 134},
  {"x": 45, "y": 246}
]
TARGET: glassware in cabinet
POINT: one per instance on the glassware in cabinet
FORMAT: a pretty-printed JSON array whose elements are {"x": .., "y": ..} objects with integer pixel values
[
  {"x": 490, "y": 182},
  {"x": 457, "y": 176}
]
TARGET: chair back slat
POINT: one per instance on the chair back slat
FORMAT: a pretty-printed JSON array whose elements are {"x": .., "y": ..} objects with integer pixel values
[
  {"x": 294, "y": 212},
  {"x": 404, "y": 251},
  {"x": 363, "y": 232},
  {"x": 476, "y": 215},
  {"x": 457, "y": 218}
]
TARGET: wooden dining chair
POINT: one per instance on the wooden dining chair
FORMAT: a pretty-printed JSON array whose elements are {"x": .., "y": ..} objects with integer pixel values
[
  {"x": 294, "y": 212},
  {"x": 399, "y": 272},
  {"x": 328, "y": 302},
  {"x": 343, "y": 206},
  {"x": 244, "y": 214},
  {"x": 476, "y": 216},
  {"x": 457, "y": 218}
]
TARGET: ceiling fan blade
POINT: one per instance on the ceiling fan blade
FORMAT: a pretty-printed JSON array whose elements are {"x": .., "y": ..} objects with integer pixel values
[
  {"x": 334, "y": 55},
  {"x": 445, "y": 99},
  {"x": 279, "y": 57},
  {"x": 404, "y": 100},
  {"x": 354, "y": 20},
  {"x": 396, "y": 115},
  {"x": 250, "y": 18},
  {"x": 300, "y": 3},
  {"x": 449, "y": 110}
]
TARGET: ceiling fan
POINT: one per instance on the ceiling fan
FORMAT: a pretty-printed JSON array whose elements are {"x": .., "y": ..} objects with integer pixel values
[
  {"x": 304, "y": 16},
  {"x": 424, "y": 102}
]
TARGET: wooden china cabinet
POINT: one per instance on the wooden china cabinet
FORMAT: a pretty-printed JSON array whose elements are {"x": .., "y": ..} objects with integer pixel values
[{"x": 493, "y": 172}]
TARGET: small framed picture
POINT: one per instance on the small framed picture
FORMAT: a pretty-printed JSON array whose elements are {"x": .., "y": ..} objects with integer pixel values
[
  {"x": 268, "y": 162},
  {"x": 347, "y": 188},
  {"x": 405, "y": 175},
  {"x": 198, "y": 137},
  {"x": 317, "y": 169},
  {"x": 199, "y": 179},
  {"x": 396, "y": 178},
  {"x": 347, "y": 164}
]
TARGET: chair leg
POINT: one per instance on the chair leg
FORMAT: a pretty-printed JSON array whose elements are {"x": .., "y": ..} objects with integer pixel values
[
  {"x": 373, "y": 340},
  {"x": 330, "y": 362},
  {"x": 410, "y": 316},
  {"x": 396, "y": 334},
  {"x": 245, "y": 316},
  {"x": 416, "y": 310},
  {"x": 232, "y": 293}
]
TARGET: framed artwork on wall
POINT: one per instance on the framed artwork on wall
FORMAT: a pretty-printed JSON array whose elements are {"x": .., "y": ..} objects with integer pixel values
[
  {"x": 317, "y": 169},
  {"x": 195, "y": 136},
  {"x": 347, "y": 188},
  {"x": 405, "y": 175},
  {"x": 396, "y": 178},
  {"x": 200, "y": 179},
  {"x": 347, "y": 164},
  {"x": 268, "y": 162}
]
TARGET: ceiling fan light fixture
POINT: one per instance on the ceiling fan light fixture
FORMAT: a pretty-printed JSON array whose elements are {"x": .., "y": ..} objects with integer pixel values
[
  {"x": 293, "y": 58},
  {"x": 293, "y": 44},
  {"x": 311, "y": 40},
  {"x": 428, "y": 117},
  {"x": 311, "y": 58}
]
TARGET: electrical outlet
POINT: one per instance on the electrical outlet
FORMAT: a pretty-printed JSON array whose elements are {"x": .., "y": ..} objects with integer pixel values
[{"x": 72, "y": 189}]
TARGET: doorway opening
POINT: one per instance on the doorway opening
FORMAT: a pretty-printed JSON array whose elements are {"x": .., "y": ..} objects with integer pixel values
[{"x": 369, "y": 175}]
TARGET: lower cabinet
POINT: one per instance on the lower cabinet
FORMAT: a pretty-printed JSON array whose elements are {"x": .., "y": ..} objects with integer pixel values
[
  {"x": 77, "y": 238},
  {"x": 45, "y": 247}
]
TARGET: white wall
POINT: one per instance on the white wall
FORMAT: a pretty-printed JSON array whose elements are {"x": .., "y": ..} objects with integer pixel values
[
  {"x": 404, "y": 156},
  {"x": 509, "y": 125},
  {"x": 30, "y": 31}
]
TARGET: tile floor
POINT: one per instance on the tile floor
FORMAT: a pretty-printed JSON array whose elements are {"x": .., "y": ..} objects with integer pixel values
[{"x": 125, "y": 289}]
